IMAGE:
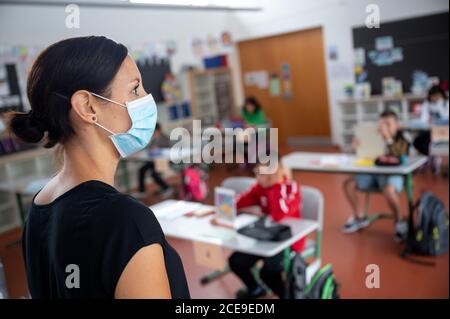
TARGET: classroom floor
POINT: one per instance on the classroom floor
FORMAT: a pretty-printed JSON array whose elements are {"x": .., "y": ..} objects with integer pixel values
[{"x": 349, "y": 254}]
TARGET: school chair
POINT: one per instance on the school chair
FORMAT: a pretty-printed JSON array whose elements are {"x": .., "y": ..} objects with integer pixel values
[
  {"x": 377, "y": 216},
  {"x": 312, "y": 208}
]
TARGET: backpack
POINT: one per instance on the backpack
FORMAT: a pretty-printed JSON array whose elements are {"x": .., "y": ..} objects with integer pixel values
[
  {"x": 194, "y": 185},
  {"x": 323, "y": 285},
  {"x": 296, "y": 278},
  {"x": 431, "y": 230}
]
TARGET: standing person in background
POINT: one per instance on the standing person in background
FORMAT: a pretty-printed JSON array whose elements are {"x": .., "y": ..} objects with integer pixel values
[
  {"x": 159, "y": 140},
  {"x": 435, "y": 109}
]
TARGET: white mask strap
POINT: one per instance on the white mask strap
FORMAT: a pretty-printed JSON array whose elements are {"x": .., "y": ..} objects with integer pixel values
[
  {"x": 106, "y": 99},
  {"x": 109, "y": 131}
]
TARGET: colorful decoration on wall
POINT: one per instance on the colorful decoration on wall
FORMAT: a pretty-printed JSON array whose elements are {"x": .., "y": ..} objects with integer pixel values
[{"x": 287, "y": 81}]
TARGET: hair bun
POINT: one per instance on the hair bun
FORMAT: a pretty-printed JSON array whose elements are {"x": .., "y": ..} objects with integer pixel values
[{"x": 27, "y": 127}]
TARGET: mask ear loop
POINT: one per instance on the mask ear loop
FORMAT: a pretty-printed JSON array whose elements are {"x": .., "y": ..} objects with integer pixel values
[{"x": 106, "y": 99}]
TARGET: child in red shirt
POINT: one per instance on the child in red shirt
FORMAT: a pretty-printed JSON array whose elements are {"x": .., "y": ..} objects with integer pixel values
[{"x": 279, "y": 197}]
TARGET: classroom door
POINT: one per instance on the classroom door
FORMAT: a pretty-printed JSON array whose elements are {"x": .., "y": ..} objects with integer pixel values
[{"x": 304, "y": 115}]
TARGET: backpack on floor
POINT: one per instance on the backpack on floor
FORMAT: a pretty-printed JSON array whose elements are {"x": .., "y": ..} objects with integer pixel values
[
  {"x": 323, "y": 285},
  {"x": 296, "y": 278},
  {"x": 431, "y": 230},
  {"x": 194, "y": 186}
]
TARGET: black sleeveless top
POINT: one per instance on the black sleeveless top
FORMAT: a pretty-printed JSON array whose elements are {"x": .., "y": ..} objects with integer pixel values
[{"x": 78, "y": 245}]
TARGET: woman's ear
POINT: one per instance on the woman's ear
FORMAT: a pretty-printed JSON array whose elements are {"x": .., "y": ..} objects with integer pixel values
[{"x": 83, "y": 105}]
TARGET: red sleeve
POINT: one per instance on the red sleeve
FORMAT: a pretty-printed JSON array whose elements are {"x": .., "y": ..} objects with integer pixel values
[
  {"x": 284, "y": 201},
  {"x": 249, "y": 198}
]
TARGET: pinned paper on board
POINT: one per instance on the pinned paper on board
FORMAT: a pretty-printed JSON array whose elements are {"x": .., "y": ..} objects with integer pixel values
[
  {"x": 257, "y": 78},
  {"x": 275, "y": 85},
  {"x": 287, "y": 81},
  {"x": 360, "y": 57},
  {"x": 333, "y": 53},
  {"x": 384, "y": 43}
]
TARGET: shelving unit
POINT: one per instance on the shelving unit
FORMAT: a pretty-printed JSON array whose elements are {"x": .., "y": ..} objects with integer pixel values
[
  {"x": 355, "y": 111},
  {"x": 211, "y": 95}
]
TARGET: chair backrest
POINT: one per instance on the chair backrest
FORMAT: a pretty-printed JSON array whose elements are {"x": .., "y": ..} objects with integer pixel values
[
  {"x": 239, "y": 184},
  {"x": 312, "y": 204}
]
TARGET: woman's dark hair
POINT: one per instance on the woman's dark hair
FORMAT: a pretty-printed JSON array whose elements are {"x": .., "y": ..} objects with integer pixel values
[
  {"x": 84, "y": 63},
  {"x": 252, "y": 100},
  {"x": 437, "y": 89}
]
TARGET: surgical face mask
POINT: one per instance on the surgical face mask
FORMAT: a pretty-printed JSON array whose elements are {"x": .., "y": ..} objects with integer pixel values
[{"x": 143, "y": 114}]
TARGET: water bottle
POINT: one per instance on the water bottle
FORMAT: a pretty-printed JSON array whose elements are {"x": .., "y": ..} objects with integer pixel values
[{"x": 3, "y": 289}]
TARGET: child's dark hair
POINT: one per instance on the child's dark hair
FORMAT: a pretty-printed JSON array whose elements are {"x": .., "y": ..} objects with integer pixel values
[
  {"x": 84, "y": 63},
  {"x": 436, "y": 89},
  {"x": 252, "y": 100},
  {"x": 389, "y": 113}
]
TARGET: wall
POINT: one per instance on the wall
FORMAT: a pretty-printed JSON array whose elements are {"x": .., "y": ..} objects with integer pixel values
[
  {"x": 37, "y": 25},
  {"x": 337, "y": 17},
  {"x": 43, "y": 25}
]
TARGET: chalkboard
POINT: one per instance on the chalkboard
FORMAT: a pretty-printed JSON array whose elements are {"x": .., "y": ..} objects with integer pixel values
[
  {"x": 424, "y": 45},
  {"x": 153, "y": 72}
]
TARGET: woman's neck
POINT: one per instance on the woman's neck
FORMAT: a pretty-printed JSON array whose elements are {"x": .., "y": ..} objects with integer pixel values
[{"x": 84, "y": 162}]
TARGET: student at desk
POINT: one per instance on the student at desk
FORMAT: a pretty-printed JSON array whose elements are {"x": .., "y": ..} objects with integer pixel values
[
  {"x": 252, "y": 113},
  {"x": 435, "y": 110},
  {"x": 279, "y": 197},
  {"x": 159, "y": 140},
  {"x": 396, "y": 145}
]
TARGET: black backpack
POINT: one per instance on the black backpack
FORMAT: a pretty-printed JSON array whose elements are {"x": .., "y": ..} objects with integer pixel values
[
  {"x": 323, "y": 285},
  {"x": 296, "y": 278},
  {"x": 431, "y": 230}
]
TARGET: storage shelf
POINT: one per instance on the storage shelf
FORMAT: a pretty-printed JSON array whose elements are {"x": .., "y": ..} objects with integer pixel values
[{"x": 366, "y": 110}]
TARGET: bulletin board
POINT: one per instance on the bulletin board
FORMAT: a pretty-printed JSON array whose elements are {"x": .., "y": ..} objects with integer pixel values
[
  {"x": 422, "y": 43},
  {"x": 153, "y": 72}
]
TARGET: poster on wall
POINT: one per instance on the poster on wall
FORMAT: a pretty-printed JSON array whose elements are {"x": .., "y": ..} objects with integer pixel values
[
  {"x": 275, "y": 85},
  {"x": 333, "y": 53},
  {"x": 257, "y": 78},
  {"x": 384, "y": 43},
  {"x": 287, "y": 81}
]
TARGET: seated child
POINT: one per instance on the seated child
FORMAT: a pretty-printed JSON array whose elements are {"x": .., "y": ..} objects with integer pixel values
[
  {"x": 396, "y": 145},
  {"x": 278, "y": 197}
]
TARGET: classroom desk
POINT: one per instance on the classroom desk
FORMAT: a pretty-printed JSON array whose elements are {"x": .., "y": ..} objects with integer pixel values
[
  {"x": 345, "y": 164},
  {"x": 200, "y": 229}
]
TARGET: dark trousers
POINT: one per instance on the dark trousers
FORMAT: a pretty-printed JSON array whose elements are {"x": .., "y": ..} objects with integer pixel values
[
  {"x": 271, "y": 273},
  {"x": 150, "y": 166},
  {"x": 422, "y": 143}
]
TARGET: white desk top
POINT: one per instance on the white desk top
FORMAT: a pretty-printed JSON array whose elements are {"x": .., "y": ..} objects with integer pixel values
[
  {"x": 200, "y": 229},
  {"x": 345, "y": 164}
]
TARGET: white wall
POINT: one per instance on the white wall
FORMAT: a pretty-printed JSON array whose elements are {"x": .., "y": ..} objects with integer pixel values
[
  {"x": 337, "y": 17},
  {"x": 44, "y": 25},
  {"x": 37, "y": 25}
]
